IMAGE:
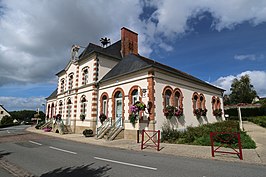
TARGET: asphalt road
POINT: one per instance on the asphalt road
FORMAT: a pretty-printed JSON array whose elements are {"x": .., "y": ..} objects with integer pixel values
[{"x": 46, "y": 156}]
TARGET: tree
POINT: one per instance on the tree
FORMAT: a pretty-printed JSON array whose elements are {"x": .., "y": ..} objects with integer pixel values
[
  {"x": 6, "y": 120},
  {"x": 242, "y": 91}
]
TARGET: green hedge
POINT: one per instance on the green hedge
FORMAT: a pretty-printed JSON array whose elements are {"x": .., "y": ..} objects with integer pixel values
[{"x": 246, "y": 112}]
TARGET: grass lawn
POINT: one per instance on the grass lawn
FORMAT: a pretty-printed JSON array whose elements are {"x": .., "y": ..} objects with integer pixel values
[{"x": 201, "y": 135}]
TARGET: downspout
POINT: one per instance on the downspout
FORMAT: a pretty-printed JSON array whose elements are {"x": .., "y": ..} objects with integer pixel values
[{"x": 97, "y": 90}]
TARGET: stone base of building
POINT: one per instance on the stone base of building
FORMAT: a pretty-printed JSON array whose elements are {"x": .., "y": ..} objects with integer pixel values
[{"x": 130, "y": 134}]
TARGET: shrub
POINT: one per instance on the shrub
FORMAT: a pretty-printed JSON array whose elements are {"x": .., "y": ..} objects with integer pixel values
[
  {"x": 169, "y": 135},
  {"x": 201, "y": 135},
  {"x": 88, "y": 133}
]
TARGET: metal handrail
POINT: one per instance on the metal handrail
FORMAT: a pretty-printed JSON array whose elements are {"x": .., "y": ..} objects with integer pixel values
[
  {"x": 117, "y": 123},
  {"x": 105, "y": 124}
]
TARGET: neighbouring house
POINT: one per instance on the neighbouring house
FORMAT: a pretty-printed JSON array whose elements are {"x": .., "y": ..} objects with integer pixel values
[
  {"x": 3, "y": 112},
  {"x": 132, "y": 91}
]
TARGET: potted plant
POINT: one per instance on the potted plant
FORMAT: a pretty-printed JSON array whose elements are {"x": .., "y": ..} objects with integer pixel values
[
  {"x": 102, "y": 117},
  {"x": 88, "y": 133},
  {"x": 82, "y": 117}
]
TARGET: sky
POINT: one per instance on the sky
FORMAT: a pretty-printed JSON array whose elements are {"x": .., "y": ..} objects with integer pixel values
[{"x": 213, "y": 40}]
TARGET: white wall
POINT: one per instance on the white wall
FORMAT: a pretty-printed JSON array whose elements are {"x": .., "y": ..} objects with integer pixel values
[{"x": 187, "y": 88}]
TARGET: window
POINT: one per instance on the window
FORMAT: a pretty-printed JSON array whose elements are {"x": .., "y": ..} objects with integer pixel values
[
  {"x": 135, "y": 96},
  {"x": 70, "y": 81},
  {"x": 60, "y": 107},
  {"x": 195, "y": 101},
  {"x": 199, "y": 107},
  {"x": 104, "y": 103},
  {"x": 62, "y": 84},
  {"x": 85, "y": 78},
  {"x": 167, "y": 98},
  {"x": 216, "y": 106},
  {"x": 83, "y": 105},
  {"x": 2, "y": 112}
]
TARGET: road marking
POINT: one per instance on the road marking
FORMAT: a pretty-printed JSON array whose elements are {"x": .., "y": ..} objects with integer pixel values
[
  {"x": 125, "y": 163},
  {"x": 33, "y": 142},
  {"x": 51, "y": 147}
]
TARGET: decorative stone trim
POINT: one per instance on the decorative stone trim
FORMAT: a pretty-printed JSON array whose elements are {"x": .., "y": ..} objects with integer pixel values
[
  {"x": 101, "y": 102},
  {"x": 151, "y": 95}
]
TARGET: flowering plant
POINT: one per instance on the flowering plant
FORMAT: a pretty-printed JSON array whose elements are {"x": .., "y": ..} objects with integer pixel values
[
  {"x": 102, "y": 117},
  {"x": 217, "y": 112},
  {"x": 135, "y": 108},
  {"x": 200, "y": 112},
  {"x": 82, "y": 117},
  {"x": 171, "y": 111}
]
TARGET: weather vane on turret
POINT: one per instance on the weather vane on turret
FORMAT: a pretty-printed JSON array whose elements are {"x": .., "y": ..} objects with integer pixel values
[{"x": 105, "y": 41}]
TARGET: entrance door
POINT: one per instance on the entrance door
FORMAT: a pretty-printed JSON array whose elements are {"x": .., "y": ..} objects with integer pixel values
[{"x": 118, "y": 110}]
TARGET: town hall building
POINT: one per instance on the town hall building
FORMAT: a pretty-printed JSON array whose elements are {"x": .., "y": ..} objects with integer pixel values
[{"x": 113, "y": 86}]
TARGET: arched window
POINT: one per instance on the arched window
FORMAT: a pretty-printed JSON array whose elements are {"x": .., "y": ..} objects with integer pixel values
[
  {"x": 83, "y": 105},
  {"x": 85, "y": 76},
  {"x": 104, "y": 105},
  {"x": 202, "y": 102},
  {"x": 195, "y": 101},
  {"x": 178, "y": 98},
  {"x": 62, "y": 85},
  {"x": 69, "y": 106},
  {"x": 216, "y": 106},
  {"x": 118, "y": 105},
  {"x": 60, "y": 107},
  {"x": 167, "y": 98},
  {"x": 135, "y": 96},
  {"x": 70, "y": 81}
]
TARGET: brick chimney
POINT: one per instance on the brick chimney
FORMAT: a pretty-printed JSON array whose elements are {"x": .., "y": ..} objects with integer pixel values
[{"x": 129, "y": 42}]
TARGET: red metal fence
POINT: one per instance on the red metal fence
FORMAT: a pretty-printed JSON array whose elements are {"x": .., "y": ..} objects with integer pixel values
[
  {"x": 227, "y": 139},
  {"x": 153, "y": 139}
]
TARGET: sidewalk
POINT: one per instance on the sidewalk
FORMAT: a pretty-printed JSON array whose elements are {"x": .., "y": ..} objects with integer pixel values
[{"x": 256, "y": 156}]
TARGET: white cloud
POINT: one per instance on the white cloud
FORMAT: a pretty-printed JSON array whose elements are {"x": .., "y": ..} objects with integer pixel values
[
  {"x": 251, "y": 57},
  {"x": 258, "y": 80},
  {"x": 19, "y": 103},
  {"x": 245, "y": 57},
  {"x": 171, "y": 16}
]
